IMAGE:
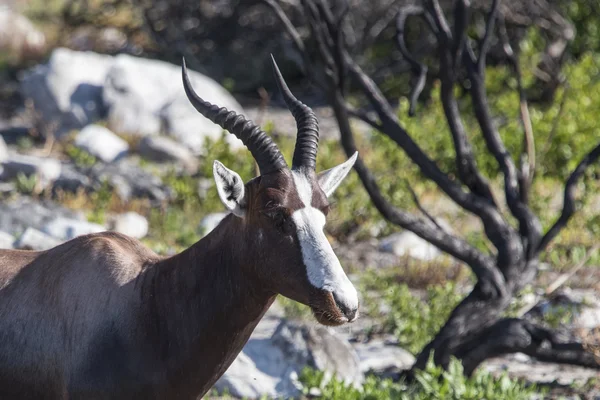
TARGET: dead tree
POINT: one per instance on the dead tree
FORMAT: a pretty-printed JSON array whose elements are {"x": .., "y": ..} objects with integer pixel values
[{"x": 476, "y": 329}]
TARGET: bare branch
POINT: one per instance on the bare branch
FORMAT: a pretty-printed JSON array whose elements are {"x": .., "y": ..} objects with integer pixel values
[
  {"x": 569, "y": 197},
  {"x": 465, "y": 160},
  {"x": 529, "y": 224},
  {"x": 337, "y": 40},
  {"x": 296, "y": 39},
  {"x": 519, "y": 336},
  {"x": 393, "y": 129},
  {"x": 421, "y": 208},
  {"x": 487, "y": 37},
  {"x": 419, "y": 69},
  {"x": 440, "y": 21},
  {"x": 481, "y": 264},
  {"x": 528, "y": 152},
  {"x": 364, "y": 117},
  {"x": 461, "y": 18}
]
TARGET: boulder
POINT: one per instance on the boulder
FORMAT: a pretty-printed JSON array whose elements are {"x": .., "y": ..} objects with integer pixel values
[
  {"x": 23, "y": 212},
  {"x": 101, "y": 143},
  {"x": 68, "y": 89},
  {"x": 269, "y": 366},
  {"x": 131, "y": 224},
  {"x": 6, "y": 240},
  {"x": 408, "y": 244},
  {"x": 4, "y": 155},
  {"x": 163, "y": 149},
  {"x": 32, "y": 239},
  {"x": 46, "y": 169},
  {"x": 67, "y": 228},
  {"x": 138, "y": 96},
  {"x": 71, "y": 180},
  {"x": 130, "y": 181},
  {"x": 145, "y": 97},
  {"x": 378, "y": 357},
  {"x": 19, "y": 39}
]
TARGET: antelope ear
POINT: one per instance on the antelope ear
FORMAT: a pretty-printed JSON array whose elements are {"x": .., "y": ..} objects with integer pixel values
[
  {"x": 230, "y": 188},
  {"x": 330, "y": 179}
]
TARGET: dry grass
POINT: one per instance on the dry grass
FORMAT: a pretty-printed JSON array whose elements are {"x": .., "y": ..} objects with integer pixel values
[
  {"x": 111, "y": 203},
  {"x": 419, "y": 274}
]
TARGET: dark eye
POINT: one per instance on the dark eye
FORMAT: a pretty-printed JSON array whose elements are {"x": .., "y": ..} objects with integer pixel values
[{"x": 281, "y": 219}]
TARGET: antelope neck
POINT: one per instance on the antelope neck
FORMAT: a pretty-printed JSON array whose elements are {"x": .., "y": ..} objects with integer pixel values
[{"x": 206, "y": 306}]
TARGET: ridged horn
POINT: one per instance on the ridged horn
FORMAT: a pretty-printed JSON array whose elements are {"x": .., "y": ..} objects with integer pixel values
[
  {"x": 263, "y": 149},
  {"x": 307, "y": 141}
]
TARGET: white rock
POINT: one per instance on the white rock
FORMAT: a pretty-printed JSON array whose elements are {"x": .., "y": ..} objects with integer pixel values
[
  {"x": 3, "y": 150},
  {"x": 6, "y": 240},
  {"x": 47, "y": 169},
  {"x": 131, "y": 224},
  {"x": 588, "y": 315},
  {"x": 68, "y": 90},
  {"x": 66, "y": 228},
  {"x": 377, "y": 357},
  {"x": 589, "y": 318},
  {"x": 407, "y": 243},
  {"x": 32, "y": 239},
  {"x": 161, "y": 149},
  {"x": 19, "y": 38},
  {"x": 101, "y": 142},
  {"x": 138, "y": 96},
  {"x": 143, "y": 96},
  {"x": 210, "y": 222},
  {"x": 270, "y": 366},
  {"x": 245, "y": 380}
]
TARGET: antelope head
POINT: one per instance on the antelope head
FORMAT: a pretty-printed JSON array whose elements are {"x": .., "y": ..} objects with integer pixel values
[{"x": 282, "y": 212}]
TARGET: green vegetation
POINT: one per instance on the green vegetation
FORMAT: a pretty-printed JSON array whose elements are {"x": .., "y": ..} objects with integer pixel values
[
  {"x": 432, "y": 383},
  {"x": 414, "y": 320},
  {"x": 80, "y": 157},
  {"x": 26, "y": 184}
]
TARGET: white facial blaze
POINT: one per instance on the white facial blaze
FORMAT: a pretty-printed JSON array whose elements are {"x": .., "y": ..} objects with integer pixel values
[{"x": 323, "y": 267}]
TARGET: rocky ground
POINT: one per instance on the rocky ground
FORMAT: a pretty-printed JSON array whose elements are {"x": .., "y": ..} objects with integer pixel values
[{"x": 128, "y": 113}]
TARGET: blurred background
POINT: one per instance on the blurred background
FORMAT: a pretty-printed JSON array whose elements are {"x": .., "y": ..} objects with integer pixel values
[{"x": 96, "y": 134}]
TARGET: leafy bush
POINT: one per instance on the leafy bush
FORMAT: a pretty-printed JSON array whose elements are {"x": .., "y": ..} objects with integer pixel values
[
  {"x": 413, "y": 320},
  {"x": 431, "y": 383}
]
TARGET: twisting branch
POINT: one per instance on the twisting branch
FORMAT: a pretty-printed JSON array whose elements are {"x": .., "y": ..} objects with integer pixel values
[
  {"x": 363, "y": 116},
  {"x": 449, "y": 59},
  {"x": 569, "y": 197},
  {"x": 461, "y": 18},
  {"x": 296, "y": 39},
  {"x": 419, "y": 69},
  {"x": 486, "y": 42},
  {"x": 518, "y": 336},
  {"x": 529, "y": 224},
  {"x": 499, "y": 233},
  {"x": 475, "y": 330},
  {"x": 441, "y": 23},
  {"x": 528, "y": 152},
  {"x": 421, "y": 208},
  {"x": 481, "y": 265}
]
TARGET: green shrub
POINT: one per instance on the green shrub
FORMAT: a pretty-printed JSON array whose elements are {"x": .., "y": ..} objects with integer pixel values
[
  {"x": 413, "y": 320},
  {"x": 431, "y": 383}
]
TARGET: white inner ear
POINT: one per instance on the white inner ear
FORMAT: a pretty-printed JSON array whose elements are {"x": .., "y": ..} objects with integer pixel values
[
  {"x": 330, "y": 179},
  {"x": 230, "y": 188}
]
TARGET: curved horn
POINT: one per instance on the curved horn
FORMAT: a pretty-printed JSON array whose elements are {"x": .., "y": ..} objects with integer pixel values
[
  {"x": 263, "y": 149},
  {"x": 307, "y": 142}
]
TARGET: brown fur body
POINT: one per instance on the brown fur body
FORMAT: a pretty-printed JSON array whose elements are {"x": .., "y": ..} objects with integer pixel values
[{"x": 102, "y": 317}]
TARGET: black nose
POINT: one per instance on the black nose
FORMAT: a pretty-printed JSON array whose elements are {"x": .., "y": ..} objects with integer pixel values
[{"x": 349, "y": 312}]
